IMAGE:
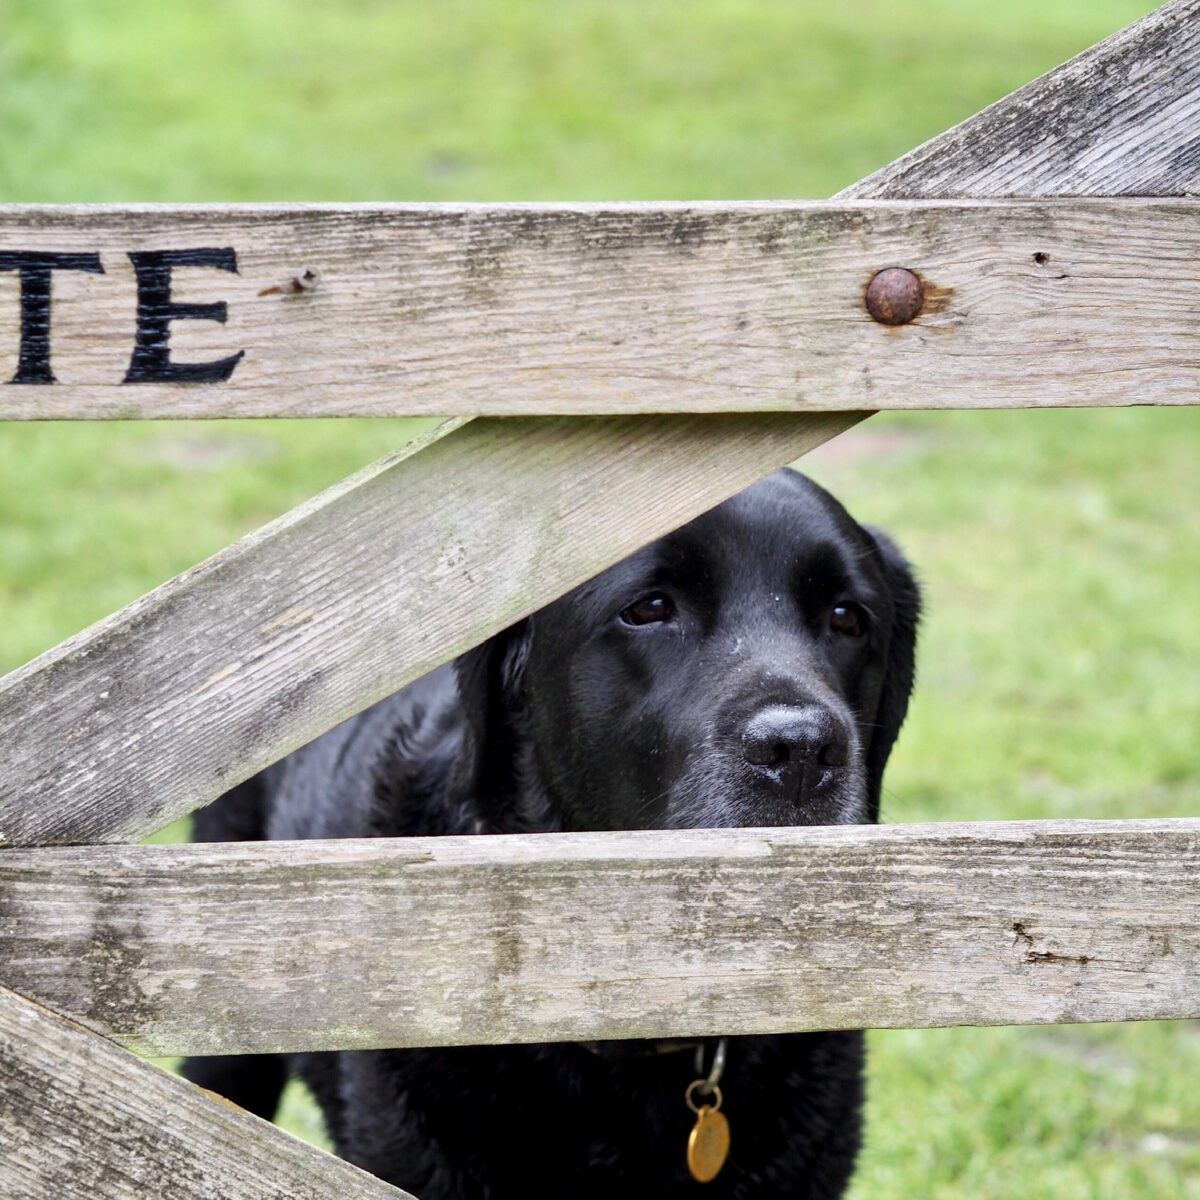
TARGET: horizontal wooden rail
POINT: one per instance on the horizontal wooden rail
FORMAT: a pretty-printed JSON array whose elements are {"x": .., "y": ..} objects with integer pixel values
[
  {"x": 437, "y": 941},
  {"x": 230, "y": 666},
  {"x": 516, "y": 309},
  {"x": 82, "y": 1119}
]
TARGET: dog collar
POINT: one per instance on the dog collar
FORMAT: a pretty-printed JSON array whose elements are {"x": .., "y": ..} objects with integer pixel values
[{"x": 708, "y": 1142}]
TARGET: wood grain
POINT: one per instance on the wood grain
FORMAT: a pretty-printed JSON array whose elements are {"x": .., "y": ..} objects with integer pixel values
[
  {"x": 441, "y": 941},
  {"x": 82, "y": 1119},
  {"x": 1121, "y": 119},
  {"x": 511, "y": 309},
  {"x": 232, "y": 665}
]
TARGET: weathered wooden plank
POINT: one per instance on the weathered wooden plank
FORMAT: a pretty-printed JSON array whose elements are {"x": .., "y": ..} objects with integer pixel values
[
  {"x": 471, "y": 310},
  {"x": 237, "y": 662},
  {"x": 432, "y": 941},
  {"x": 1121, "y": 119},
  {"x": 82, "y": 1119}
]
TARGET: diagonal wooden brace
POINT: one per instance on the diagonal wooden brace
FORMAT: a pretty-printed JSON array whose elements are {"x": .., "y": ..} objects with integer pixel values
[{"x": 82, "y": 1119}]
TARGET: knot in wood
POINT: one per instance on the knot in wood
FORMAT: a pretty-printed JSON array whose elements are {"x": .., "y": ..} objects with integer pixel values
[{"x": 895, "y": 296}]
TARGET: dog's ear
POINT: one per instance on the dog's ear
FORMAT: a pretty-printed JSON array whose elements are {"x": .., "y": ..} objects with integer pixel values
[
  {"x": 491, "y": 689},
  {"x": 899, "y": 666}
]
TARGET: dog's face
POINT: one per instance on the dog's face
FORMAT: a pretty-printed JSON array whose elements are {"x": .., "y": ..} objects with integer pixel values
[{"x": 751, "y": 668}]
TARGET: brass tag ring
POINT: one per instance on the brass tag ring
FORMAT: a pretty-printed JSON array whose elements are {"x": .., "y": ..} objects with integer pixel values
[{"x": 713, "y": 1090}]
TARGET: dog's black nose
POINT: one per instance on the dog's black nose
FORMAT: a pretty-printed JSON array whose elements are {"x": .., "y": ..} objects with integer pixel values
[{"x": 795, "y": 746}]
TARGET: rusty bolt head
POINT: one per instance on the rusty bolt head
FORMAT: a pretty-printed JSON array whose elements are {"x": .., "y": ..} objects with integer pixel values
[{"x": 895, "y": 296}]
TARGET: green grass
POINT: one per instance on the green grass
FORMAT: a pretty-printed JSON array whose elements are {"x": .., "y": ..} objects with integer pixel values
[
  {"x": 1058, "y": 550},
  {"x": 475, "y": 99}
]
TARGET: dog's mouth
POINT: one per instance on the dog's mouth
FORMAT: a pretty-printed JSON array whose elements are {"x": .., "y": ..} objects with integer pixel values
[
  {"x": 713, "y": 801},
  {"x": 716, "y": 789}
]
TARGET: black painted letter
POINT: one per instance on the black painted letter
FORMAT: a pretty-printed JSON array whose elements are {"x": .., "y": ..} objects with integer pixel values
[
  {"x": 35, "y": 266},
  {"x": 151, "y": 361}
]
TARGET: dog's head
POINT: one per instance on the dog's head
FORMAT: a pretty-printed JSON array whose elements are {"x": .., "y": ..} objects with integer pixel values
[{"x": 751, "y": 668}]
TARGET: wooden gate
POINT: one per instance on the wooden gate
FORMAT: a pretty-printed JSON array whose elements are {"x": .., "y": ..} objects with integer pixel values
[{"x": 1054, "y": 238}]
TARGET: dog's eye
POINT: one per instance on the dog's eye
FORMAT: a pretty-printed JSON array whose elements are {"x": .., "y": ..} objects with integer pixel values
[
  {"x": 649, "y": 610},
  {"x": 848, "y": 620}
]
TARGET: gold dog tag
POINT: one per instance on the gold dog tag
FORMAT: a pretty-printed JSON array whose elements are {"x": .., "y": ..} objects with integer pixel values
[{"x": 708, "y": 1144}]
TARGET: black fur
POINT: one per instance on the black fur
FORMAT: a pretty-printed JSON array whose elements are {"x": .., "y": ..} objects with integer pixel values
[{"x": 749, "y": 704}]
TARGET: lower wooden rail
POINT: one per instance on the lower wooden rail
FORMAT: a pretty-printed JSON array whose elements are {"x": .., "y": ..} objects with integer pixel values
[{"x": 438, "y": 941}]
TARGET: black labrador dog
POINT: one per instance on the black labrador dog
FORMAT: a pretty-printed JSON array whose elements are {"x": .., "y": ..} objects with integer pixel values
[{"x": 752, "y": 668}]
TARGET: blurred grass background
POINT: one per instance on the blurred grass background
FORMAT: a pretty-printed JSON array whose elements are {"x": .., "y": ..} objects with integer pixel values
[{"x": 1058, "y": 550}]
